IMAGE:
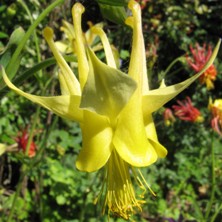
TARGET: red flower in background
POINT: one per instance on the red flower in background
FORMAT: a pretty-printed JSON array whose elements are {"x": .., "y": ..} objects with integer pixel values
[
  {"x": 186, "y": 111},
  {"x": 200, "y": 56},
  {"x": 142, "y": 3},
  {"x": 168, "y": 117},
  {"x": 22, "y": 141}
]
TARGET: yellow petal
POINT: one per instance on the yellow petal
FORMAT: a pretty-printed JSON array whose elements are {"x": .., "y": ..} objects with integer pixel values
[
  {"x": 97, "y": 137},
  {"x": 151, "y": 134},
  {"x": 71, "y": 81},
  {"x": 155, "y": 99},
  {"x": 83, "y": 67},
  {"x": 63, "y": 46},
  {"x": 90, "y": 35},
  {"x": 160, "y": 149},
  {"x": 65, "y": 106},
  {"x": 108, "y": 51},
  {"x": 130, "y": 139},
  {"x": 68, "y": 29},
  {"x": 107, "y": 90},
  {"x": 150, "y": 127},
  {"x": 63, "y": 84},
  {"x": 137, "y": 66}
]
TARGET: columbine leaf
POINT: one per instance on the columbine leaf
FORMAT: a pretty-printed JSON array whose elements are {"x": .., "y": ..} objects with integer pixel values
[
  {"x": 3, "y": 35},
  {"x": 6, "y": 54},
  {"x": 113, "y": 2},
  {"x": 14, "y": 39},
  {"x": 116, "y": 14}
]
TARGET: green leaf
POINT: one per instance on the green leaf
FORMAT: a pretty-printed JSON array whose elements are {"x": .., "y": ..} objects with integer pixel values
[
  {"x": 17, "y": 53},
  {"x": 116, "y": 14},
  {"x": 113, "y": 2},
  {"x": 13, "y": 42},
  {"x": 42, "y": 65},
  {"x": 2, "y": 8},
  {"x": 3, "y": 35},
  {"x": 6, "y": 54}
]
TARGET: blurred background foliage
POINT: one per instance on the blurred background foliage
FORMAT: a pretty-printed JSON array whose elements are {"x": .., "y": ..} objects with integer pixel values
[{"x": 52, "y": 189}]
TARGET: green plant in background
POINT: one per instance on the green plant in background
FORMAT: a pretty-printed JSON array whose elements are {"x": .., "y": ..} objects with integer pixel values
[{"x": 52, "y": 189}]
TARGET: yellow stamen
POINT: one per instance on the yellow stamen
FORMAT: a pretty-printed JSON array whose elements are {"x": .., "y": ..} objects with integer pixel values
[{"x": 120, "y": 197}]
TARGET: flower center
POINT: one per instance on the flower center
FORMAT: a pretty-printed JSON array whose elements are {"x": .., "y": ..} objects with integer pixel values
[{"x": 120, "y": 197}]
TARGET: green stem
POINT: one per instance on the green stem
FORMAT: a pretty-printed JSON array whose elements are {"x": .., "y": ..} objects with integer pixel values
[
  {"x": 18, "y": 189},
  {"x": 213, "y": 218},
  {"x": 36, "y": 40},
  {"x": 41, "y": 65},
  {"x": 44, "y": 139},
  {"x": 197, "y": 208},
  {"x": 18, "y": 50},
  {"x": 213, "y": 181},
  {"x": 179, "y": 59},
  {"x": 40, "y": 72},
  {"x": 31, "y": 132}
]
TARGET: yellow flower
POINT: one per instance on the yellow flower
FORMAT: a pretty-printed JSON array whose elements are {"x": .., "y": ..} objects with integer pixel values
[{"x": 114, "y": 110}]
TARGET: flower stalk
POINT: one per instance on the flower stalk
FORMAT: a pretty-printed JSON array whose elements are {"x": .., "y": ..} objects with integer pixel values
[{"x": 213, "y": 182}]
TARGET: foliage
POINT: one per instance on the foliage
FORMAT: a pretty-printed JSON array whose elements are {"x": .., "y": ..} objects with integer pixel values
[{"x": 48, "y": 187}]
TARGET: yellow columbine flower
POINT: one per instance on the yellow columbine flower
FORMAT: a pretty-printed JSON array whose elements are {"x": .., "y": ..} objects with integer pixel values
[{"x": 114, "y": 110}]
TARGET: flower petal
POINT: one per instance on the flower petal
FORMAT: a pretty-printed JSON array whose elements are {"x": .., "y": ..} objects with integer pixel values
[
  {"x": 72, "y": 83},
  {"x": 152, "y": 136},
  {"x": 107, "y": 90},
  {"x": 137, "y": 66},
  {"x": 83, "y": 67},
  {"x": 107, "y": 48},
  {"x": 160, "y": 149},
  {"x": 155, "y": 99},
  {"x": 130, "y": 140},
  {"x": 64, "y": 106},
  {"x": 91, "y": 36},
  {"x": 97, "y": 137}
]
